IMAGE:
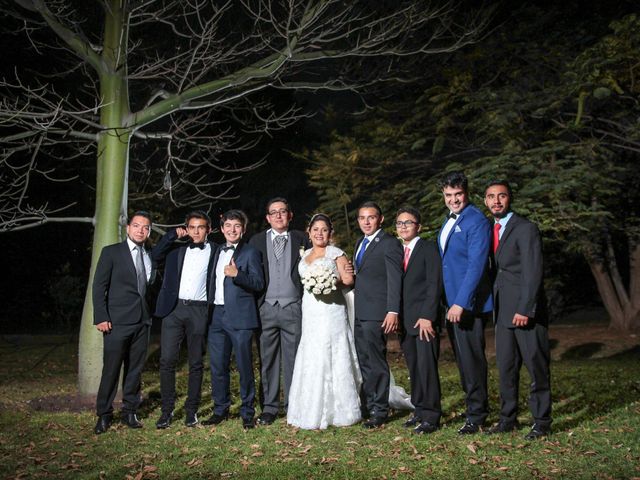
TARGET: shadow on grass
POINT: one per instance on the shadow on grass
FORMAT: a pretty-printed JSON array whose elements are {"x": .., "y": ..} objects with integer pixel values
[{"x": 586, "y": 350}]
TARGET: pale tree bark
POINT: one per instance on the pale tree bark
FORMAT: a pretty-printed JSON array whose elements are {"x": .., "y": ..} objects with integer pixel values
[{"x": 199, "y": 73}]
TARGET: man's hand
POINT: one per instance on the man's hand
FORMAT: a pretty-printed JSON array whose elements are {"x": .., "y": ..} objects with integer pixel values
[
  {"x": 454, "y": 314},
  {"x": 182, "y": 232},
  {"x": 231, "y": 270},
  {"x": 426, "y": 330},
  {"x": 390, "y": 323},
  {"x": 104, "y": 327},
  {"x": 348, "y": 268},
  {"x": 520, "y": 320}
]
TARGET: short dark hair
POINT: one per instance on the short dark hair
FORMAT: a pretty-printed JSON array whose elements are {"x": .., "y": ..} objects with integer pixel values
[
  {"x": 140, "y": 213},
  {"x": 321, "y": 217},
  {"x": 454, "y": 179},
  {"x": 504, "y": 183},
  {"x": 411, "y": 211},
  {"x": 370, "y": 204},
  {"x": 234, "y": 214},
  {"x": 277, "y": 199},
  {"x": 198, "y": 214}
]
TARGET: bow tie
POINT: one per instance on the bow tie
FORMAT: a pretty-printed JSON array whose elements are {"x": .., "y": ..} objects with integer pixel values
[
  {"x": 226, "y": 248},
  {"x": 197, "y": 245},
  {"x": 452, "y": 215}
]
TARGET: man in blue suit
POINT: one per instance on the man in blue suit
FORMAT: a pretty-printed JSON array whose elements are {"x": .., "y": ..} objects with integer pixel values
[
  {"x": 235, "y": 282},
  {"x": 464, "y": 246}
]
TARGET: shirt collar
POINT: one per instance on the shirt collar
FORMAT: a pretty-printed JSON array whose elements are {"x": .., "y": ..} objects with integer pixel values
[
  {"x": 504, "y": 220},
  {"x": 275, "y": 234},
  {"x": 412, "y": 243},
  {"x": 133, "y": 245},
  {"x": 373, "y": 235}
]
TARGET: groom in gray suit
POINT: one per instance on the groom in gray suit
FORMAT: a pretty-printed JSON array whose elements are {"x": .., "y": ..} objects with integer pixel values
[{"x": 378, "y": 263}]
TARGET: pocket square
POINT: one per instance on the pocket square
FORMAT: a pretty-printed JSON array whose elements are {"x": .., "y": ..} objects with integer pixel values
[{"x": 458, "y": 229}]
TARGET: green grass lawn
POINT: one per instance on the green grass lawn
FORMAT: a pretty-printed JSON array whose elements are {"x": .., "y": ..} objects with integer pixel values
[{"x": 596, "y": 431}]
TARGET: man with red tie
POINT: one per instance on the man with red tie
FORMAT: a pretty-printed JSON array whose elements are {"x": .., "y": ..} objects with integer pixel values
[{"x": 520, "y": 313}]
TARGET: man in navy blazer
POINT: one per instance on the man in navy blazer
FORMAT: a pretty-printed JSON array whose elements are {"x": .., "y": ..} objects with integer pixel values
[
  {"x": 183, "y": 306},
  {"x": 121, "y": 313},
  {"x": 236, "y": 279},
  {"x": 520, "y": 313},
  {"x": 464, "y": 246}
]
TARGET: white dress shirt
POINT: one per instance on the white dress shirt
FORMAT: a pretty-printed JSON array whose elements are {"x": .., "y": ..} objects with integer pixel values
[
  {"x": 133, "y": 248},
  {"x": 224, "y": 259},
  {"x": 193, "y": 280},
  {"x": 444, "y": 234}
]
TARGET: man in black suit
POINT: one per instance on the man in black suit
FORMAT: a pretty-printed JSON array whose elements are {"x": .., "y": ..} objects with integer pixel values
[
  {"x": 520, "y": 313},
  {"x": 421, "y": 293},
  {"x": 234, "y": 284},
  {"x": 280, "y": 304},
  {"x": 378, "y": 263},
  {"x": 182, "y": 305},
  {"x": 121, "y": 313}
]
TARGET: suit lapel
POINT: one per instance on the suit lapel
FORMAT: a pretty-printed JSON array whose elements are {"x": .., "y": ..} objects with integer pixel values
[
  {"x": 128, "y": 260},
  {"x": 511, "y": 224},
  {"x": 372, "y": 245},
  {"x": 451, "y": 232},
  {"x": 416, "y": 251}
]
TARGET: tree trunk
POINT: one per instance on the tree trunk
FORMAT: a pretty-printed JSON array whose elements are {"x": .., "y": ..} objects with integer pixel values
[{"x": 112, "y": 155}]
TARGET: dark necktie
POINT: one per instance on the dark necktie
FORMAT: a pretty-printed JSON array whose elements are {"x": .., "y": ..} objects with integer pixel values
[
  {"x": 226, "y": 248},
  {"x": 197, "y": 245},
  {"x": 278, "y": 246},
  {"x": 363, "y": 247},
  {"x": 496, "y": 236},
  {"x": 141, "y": 272},
  {"x": 452, "y": 215}
]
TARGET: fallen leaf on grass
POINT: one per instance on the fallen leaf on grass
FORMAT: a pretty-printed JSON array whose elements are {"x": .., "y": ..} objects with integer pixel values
[
  {"x": 502, "y": 469},
  {"x": 150, "y": 468},
  {"x": 194, "y": 462},
  {"x": 472, "y": 448},
  {"x": 78, "y": 454},
  {"x": 324, "y": 460},
  {"x": 257, "y": 454},
  {"x": 473, "y": 461}
]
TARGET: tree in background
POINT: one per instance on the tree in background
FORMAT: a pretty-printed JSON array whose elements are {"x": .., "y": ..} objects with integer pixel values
[{"x": 160, "y": 96}]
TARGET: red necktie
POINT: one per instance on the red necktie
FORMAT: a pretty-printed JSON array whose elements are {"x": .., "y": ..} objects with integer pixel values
[
  {"x": 407, "y": 254},
  {"x": 496, "y": 236}
]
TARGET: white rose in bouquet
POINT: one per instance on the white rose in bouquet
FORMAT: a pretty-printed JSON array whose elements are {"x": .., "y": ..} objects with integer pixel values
[{"x": 319, "y": 280}]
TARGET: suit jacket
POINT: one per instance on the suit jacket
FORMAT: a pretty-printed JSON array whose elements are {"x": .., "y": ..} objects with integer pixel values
[
  {"x": 115, "y": 288},
  {"x": 379, "y": 279},
  {"x": 298, "y": 241},
  {"x": 518, "y": 285},
  {"x": 421, "y": 286},
  {"x": 173, "y": 257},
  {"x": 240, "y": 292},
  {"x": 465, "y": 262}
]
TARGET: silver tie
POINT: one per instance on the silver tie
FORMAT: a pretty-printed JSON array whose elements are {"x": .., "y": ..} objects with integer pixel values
[
  {"x": 278, "y": 246},
  {"x": 141, "y": 273}
]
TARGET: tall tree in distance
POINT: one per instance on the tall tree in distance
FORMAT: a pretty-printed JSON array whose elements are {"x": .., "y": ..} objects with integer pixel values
[{"x": 159, "y": 96}]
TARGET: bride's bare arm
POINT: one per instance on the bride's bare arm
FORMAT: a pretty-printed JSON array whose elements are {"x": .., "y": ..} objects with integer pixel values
[{"x": 346, "y": 278}]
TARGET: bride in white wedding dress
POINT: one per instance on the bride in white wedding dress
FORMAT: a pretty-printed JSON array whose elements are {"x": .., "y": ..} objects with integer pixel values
[{"x": 326, "y": 376}]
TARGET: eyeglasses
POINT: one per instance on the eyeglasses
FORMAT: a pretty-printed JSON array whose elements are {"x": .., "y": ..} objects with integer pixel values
[
  {"x": 282, "y": 212},
  {"x": 406, "y": 223}
]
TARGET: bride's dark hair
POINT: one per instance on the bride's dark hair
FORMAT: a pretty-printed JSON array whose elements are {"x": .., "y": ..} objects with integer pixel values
[{"x": 321, "y": 217}]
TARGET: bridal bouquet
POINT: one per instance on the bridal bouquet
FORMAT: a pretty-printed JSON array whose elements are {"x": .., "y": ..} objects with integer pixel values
[{"x": 319, "y": 280}]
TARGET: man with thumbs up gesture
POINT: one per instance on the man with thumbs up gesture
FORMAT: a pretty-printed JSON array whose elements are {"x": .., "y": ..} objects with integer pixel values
[{"x": 235, "y": 282}]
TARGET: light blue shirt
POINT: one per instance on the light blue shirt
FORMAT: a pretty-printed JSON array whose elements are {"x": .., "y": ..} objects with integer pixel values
[{"x": 503, "y": 223}]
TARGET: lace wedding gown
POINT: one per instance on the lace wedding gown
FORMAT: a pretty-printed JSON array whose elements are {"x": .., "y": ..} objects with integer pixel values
[{"x": 326, "y": 376}]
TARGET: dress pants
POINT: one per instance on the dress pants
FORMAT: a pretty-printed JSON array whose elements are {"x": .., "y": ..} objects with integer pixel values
[
  {"x": 222, "y": 338},
  {"x": 531, "y": 346},
  {"x": 371, "y": 347},
  {"x": 422, "y": 362},
  {"x": 125, "y": 345},
  {"x": 279, "y": 338},
  {"x": 467, "y": 338},
  {"x": 190, "y": 322}
]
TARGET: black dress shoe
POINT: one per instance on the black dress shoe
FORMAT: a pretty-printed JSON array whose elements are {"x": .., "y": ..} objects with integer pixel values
[
  {"x": 266, "y": 418},
  {"x": 374, "y": 422},
  {"x": 164, "y": 421},
  {"x": 412, "y": 422},
  {"x": 131, "y": 420},
  {"x": 103, "y": 424},
  {"x": 469, "y": 428},
  {"x": 538, "y": 431},
  {"x": 191, "y": 420},
  {"x": 216, "y": 419},
  {"x": 425, "y": 427},
  {"x": 248, "y": 423},
  {"x": 501, "y": 427}
]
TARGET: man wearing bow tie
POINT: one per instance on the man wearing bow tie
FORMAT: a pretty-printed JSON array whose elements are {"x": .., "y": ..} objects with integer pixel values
[
  {"x": 464, "y": 247},
  {"x": 121, "y": 313},
  {"x": 235, "y": 281},
  {"x": 182, "y": 305}
]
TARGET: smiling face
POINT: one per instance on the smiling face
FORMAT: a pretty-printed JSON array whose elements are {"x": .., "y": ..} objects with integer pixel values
[
  {"x": 369, "y": 220},
  {"x": 455, "y": 198},
  {"x": 319, "y": 233},
  {"x": 497, "y": 200},
  {"x": 279, "y": 216},
  {"x": 407, "y": 227},
  {"x": 139, "y": 229},
  {"x": 233, "y": 230},
  {"x": 198, "y": 229}
]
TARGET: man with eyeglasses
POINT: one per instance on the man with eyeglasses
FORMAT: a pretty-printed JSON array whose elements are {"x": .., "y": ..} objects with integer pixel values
[
  {"x": 182, "y": 305},
  {"x": 420, "y": 338},
  {"x": 121, "y": 313},
  {"x": 280, "y": 305}
]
